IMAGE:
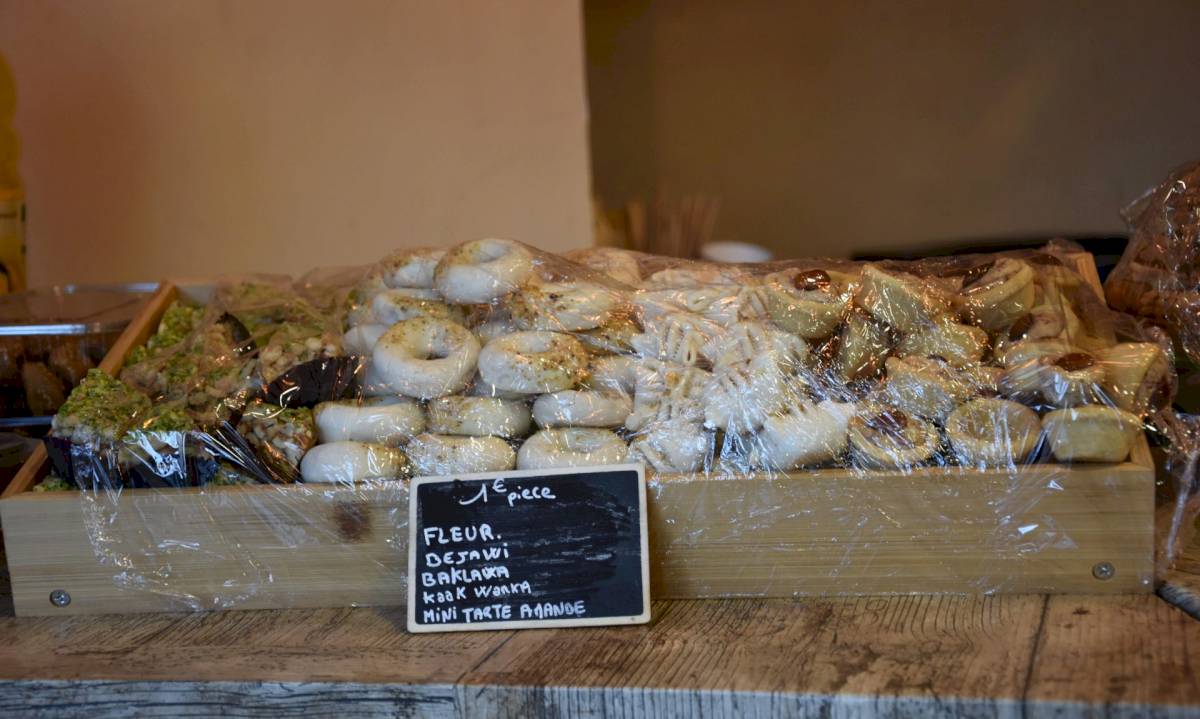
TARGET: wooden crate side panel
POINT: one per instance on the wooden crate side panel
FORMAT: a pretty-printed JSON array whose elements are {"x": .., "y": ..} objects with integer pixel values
[
  {"x": 819, "y": 533},
  {"x": 1042, "y": 530},
  {"x": 252, "y": 548}
]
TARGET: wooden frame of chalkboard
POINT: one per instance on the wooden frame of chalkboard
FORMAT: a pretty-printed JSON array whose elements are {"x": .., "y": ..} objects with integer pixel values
[{"x": 528, "y": 549}]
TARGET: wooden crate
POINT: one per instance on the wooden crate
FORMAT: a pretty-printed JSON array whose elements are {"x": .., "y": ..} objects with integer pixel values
[{"x": 1047, "y": 528}]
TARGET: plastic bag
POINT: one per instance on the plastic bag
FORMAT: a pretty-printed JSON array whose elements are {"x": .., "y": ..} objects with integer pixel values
[
  {"x": 1158, "y": 279},
  {"x": 492, "y": 355}
]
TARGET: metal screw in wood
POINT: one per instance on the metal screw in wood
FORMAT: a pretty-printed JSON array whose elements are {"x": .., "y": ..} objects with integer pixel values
[
  {"x": 1103, "y": 570},
  {"x": 60, "y": 598}
]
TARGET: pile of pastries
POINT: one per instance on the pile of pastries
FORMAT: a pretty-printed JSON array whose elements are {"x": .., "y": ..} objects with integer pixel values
[
  {"x": 1158, "y": 276},
  {"x": 492, "y": 355}
]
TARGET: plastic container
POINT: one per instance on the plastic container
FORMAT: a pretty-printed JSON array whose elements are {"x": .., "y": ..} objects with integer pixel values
[{"x": 49, "y": 338}]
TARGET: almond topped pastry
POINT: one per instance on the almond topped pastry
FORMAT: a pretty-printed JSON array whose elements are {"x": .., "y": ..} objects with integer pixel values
[
  {"x": 1072, "y": 379},
  {"x": 996, "y": 293},
  {"x": 809, "y": 303},
  {"x": 891, "y": 439}
]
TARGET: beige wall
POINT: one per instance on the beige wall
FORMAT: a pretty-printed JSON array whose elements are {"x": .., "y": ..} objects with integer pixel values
[
  {"x": 200, "y": 136},
  {"x": 829, "y": 127}
]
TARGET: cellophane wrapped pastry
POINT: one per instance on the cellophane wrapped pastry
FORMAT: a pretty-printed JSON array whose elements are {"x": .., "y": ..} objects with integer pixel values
[
  {"x": 1158, "y": 280},
  {"x": 492, "y": 355}
]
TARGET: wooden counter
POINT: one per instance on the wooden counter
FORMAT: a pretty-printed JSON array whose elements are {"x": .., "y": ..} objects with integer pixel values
[{"x": 905, "y": 656}]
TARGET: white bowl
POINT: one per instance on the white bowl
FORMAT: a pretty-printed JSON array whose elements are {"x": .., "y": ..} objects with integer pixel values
[{"x": 735, "y": 252}]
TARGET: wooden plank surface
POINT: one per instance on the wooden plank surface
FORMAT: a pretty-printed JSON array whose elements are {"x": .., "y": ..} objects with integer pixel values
[
  {"x": 1181, "y": 585},
  {"x": 903, "y": 656},
  {"x": 1126, "y": 653}
]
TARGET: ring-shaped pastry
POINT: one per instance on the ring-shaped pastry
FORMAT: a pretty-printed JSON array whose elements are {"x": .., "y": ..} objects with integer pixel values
[
  {"x": 392, "y": 306},
  {"x": 576, "y": 408},
  {"x": 411, "y": 268},
  {"x": 533, "y": 362},
  {"x": 426, "y": 358},
  {"x": 620, "y": 265},
  {"x": 482, "y": 271},
  {"x": 380, "y": 420},
  {"x": 614, "y": 373},
  {"x": 571, "y": 447},
  {"x": 563, "y": 306},
  {"x": 361, "y": 339},
  {"x": 479, "y": 416},
  {"x": 614, "y": 336},
  {"x": 437, "y": 455},
  {"x": 349, "y": 462}
]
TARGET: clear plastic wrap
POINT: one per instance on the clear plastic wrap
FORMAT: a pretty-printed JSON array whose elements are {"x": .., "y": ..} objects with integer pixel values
[
  {"x": 779, "y": 392},
  {"x": 1158, "y": 280}
]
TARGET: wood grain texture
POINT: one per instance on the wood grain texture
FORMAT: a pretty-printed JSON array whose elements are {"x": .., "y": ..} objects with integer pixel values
[
  {"x": 919, "y": 656},
  {"x": 1042, "y": 529},
  {"x": 1125, "y": 652},
  {"x": 89, "y": 699},
  {"x": 198, "y": 549},
  {"x": 299, "y": 645},
  {"x": 1181, "y": 585},
  {"x": 927, "y": 650}
]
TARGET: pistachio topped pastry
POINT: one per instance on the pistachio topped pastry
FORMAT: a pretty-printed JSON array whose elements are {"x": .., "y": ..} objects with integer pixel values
[
  {"x": 291, "y": 345},
  {"x": 176, "y": 324},
  {"x": 100, "y": 408}
]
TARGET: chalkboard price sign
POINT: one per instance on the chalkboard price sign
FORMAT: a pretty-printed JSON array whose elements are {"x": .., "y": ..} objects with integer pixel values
[{"x": 526, "y": 549}]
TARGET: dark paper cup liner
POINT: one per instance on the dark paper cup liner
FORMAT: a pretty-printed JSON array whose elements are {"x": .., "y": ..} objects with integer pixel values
[
  {"x": 243, "y": 341},
  {"x": 319, "y": 380}
]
